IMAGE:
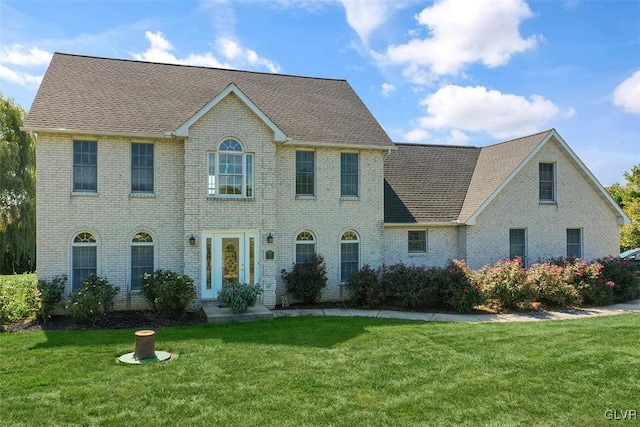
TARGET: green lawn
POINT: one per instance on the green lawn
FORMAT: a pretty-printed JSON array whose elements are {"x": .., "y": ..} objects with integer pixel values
[{"x": 320, "y": 371}]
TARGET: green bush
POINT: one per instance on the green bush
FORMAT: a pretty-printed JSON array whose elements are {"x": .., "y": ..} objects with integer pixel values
[
  {"x": 306, "y": 281},
  {"x": 169, "y": 294},
  {"x": 364, "y": 288},
  {"x": 625, "y": 277},
  {"x": 456, "y": 289},
  {"x": 19, "y": 297},
  {"x": 239, "y": 296},
  {"x": 503, "y": 285},
  {"x": 94, "y": 299},
  {"x": 409, "y": 287},
  {"x": 50, "y": 294},
  {"x": 551, "y": 287}
]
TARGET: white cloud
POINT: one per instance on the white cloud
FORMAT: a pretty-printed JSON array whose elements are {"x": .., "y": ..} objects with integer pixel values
[
  {"x": 464, "y": 32},
  {"x": 18, "y": 55},
  {"x": 627, "y": 94},
  {"x": 417, "y": 135},
  {"x": 387, "y": 89},
  {"x": 476, "y": 109},
  {"x": 21, "y": 78},
  {"x": 364, "y": 16},
  {"x": 236, "y": 55}
]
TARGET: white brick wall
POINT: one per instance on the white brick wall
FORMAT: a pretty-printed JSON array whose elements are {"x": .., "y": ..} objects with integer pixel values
[
  {"x": 517, "y": 206},
  {"x": 112, "y": 215},
  {"x": 441, "y": 246}
]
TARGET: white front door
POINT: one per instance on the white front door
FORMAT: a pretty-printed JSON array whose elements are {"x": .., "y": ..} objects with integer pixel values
[{"x": 228, "y": 257}]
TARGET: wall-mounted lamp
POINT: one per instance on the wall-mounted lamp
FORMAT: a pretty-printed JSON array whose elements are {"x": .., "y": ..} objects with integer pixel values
[
  {"x": 269, "y": 238},
  {"x": 192, "y": 240}
]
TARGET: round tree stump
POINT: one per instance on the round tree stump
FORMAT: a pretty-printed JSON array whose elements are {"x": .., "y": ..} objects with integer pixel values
[{"x": 145, "y": 345}]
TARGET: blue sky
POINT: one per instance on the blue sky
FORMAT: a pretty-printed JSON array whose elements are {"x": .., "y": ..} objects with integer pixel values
[{"x": 445, "y": 72}]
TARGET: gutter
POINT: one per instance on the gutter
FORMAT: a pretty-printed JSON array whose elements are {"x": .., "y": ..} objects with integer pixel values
[{"x": 35, "y": 130}]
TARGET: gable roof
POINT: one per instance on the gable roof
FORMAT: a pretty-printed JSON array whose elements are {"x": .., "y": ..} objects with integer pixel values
[
  {"x": 427, "y": 183},
  {"x": 84, "y": 94},
  {"x": 444, "y": 184}
]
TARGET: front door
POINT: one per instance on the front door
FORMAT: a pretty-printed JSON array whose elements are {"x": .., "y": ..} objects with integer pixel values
[{"x": 228, "y": 257}]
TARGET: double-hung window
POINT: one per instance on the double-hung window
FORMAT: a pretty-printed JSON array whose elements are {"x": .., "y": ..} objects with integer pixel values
[
  {"x": 349, "y": 255},
  {"x": 417, "y": 241},
  {"x": 574, "y": 243},
  {"x": 348, "y": 174},
  {"x": 85, "y": 166},
  {"x": 141, "y": 168},
  {"x": 141, "y": 258},
  {"x": 305, "y": 247},
  {"x": 547, "y": 175},
  {"x": 517, "y": 243},
  {"x": 230, "y": 171},
  {"x": 305, "y": 173},
  {"x": 83, "y": 259}
]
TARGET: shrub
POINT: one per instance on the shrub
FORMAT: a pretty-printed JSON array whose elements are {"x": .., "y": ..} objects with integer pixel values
[
  {"x": 306, "y": 281},
  {"x": 503, "y": 284},
  {"x": 50, "y": 295},
  {"x": 408, "y": 287},
  {"x": 94, "y": 299},
  {"x": 625, "y": 277},
  {"x": 19, "y": 297},
  {"x": 550, "y": 286},
  {"x": 169, "y": 294},
  {"x": 456, "y": 289},
  {"x": 239, "y": 296},
  {"x": 365, "y": 289}
]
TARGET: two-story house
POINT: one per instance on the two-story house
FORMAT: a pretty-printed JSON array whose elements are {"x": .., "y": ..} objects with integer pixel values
[{"x": 234, "y": 175}]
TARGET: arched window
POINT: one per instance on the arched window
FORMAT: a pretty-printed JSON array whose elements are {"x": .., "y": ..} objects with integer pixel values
[
  {"x": 141, "y": 258},
  {"x": 349, "y": 255},
  {"x": 230, "y": 171},
  {"x": 83, "y": 258},
  {"x": 305, "y": 247}
]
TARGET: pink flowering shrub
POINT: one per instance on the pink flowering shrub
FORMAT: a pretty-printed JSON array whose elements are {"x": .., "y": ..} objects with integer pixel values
[
  {"x": 365, "y": 289},
  {"x": 624, "y": 275},
  {"x": 456, "y": 289},
  {"x": 552, "y": 285},
  {"x": 503, "y": 285},
  {"x": 306, "y": 281}
]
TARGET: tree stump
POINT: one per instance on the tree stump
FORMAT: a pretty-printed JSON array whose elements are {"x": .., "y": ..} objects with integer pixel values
[{"x": 145, "y": 345}]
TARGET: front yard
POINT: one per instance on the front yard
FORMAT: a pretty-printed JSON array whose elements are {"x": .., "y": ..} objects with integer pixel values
[{"x": 328, "y": 371}]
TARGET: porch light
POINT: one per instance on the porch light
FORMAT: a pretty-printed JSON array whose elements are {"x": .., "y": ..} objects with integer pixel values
[
  {"x": 269, "y": 238},
  {"x": 192, "y": 240}
]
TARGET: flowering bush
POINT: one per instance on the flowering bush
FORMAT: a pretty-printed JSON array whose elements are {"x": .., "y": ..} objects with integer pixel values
[
  {"x": 456, "y": 289},
  {"x": 409, "y": 287},
  {"x": 170, "y": 294},
  {"x": 624, "y": 275},
  {"x": 365, "y": 288},
  {"x": 306, "y": 281},
  {"x": 93, "y": 300},
  {"x": 550, "y": 285},
  {"x": 503, "y": 284}
]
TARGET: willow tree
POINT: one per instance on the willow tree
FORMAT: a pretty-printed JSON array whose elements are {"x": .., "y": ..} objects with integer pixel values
[{"x": 17, "y": 191}]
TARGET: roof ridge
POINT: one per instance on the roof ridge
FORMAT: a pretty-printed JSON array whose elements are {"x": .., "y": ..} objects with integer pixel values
[
  {"x": 520, "y": 137},
  {"x": 418, "y": 144},
  {"x": 235, "y": 70}
]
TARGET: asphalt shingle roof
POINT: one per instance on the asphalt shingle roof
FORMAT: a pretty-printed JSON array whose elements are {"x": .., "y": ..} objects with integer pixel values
[
  {"x": 441, "y": 183},
  {"x": 132, "y": 97}
]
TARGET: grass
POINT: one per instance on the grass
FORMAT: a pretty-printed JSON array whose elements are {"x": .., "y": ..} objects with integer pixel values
[{"x": 328, "y": 371}]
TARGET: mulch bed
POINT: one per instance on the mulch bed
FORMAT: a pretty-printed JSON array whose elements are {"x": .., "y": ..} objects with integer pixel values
[{"x": 113, "y": 320}]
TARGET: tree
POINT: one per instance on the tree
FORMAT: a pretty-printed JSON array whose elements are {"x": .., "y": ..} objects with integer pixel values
[
  {"x": 628, "y": 197},
  {"x": 17, "y": 191}
]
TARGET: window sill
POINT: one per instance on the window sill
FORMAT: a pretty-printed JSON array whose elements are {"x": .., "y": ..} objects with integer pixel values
[
  {"x": 349, "y": 198},
  {"x": 142, "y": 195},
  {"x": 303, "y": 197},
  {"x": 237, "y": 199},
  {"x": 417, "y": 254},
  {"x": 548, "y": 202},
  {"x": 83, "y": 193}
]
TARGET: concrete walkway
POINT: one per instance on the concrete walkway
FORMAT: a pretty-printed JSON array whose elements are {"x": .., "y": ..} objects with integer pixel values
[{"x": 610, "y": 310}]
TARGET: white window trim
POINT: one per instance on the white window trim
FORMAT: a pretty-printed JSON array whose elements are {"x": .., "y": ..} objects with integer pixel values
[
  {"x": 554, "y": 199},
  {"x": 216, "y": 159},
  {"x": 358, "y": 241},
  {"x": 75, "y": 244},
  {"x": 155, "y": 255},
  {"x": 136, "y": 193},
  {"x": 357, "y": 196},
  {"x": 426, "y": 242},
  {"x": 315, "y": 176},
  {"x": 90, "y": 193}
]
